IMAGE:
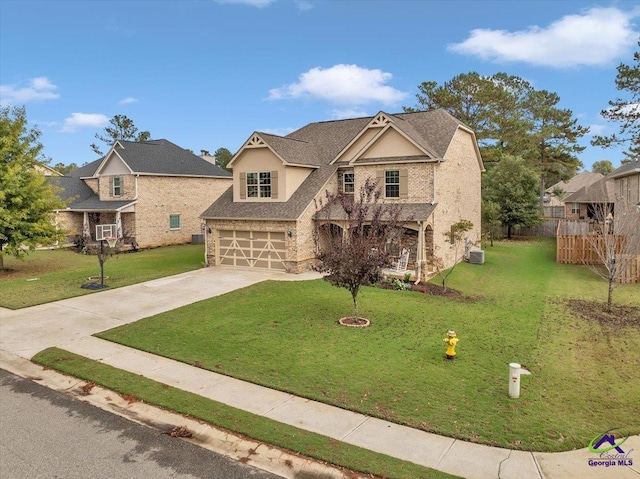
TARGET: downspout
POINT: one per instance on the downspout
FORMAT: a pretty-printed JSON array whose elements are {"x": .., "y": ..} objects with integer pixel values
[
  {"x": 205, "y": 230},
  {"x": 419, "y": 252}
]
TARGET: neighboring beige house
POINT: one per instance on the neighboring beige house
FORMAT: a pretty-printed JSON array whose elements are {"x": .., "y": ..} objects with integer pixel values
[
  {"x": 46, "y": 170},
  {"x": 153, "y": 190},
  {"x": 584, "y": 203},
  {"x": 428, "y": 162},
  {"x": 554, "y": 206},
  {"x": 627, "y": 182}
]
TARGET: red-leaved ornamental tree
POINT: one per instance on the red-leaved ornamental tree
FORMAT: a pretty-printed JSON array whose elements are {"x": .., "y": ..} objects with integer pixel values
[{"x": 351, "y": 235}]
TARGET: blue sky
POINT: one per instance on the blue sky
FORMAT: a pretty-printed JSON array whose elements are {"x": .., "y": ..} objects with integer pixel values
[{"x": 206, "y": 74}]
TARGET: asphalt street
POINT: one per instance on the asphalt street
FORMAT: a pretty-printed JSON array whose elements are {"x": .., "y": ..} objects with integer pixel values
[{"x": 47, "y": 434}]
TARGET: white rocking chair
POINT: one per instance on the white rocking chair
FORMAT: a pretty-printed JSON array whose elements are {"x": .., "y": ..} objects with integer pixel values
[{"x": 400, "y": 265}]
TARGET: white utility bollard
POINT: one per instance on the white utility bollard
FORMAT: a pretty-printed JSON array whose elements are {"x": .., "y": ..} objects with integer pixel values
[{"x": 514, "y": 380}]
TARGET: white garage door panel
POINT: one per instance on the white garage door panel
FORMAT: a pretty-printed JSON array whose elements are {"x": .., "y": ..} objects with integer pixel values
[{"x": 253, "y": 249}]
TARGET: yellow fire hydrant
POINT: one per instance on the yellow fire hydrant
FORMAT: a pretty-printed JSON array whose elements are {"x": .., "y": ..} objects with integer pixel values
[{"x": 451, "y": 341}]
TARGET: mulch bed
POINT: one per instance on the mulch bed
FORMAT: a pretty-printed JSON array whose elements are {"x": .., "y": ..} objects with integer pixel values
[{"x": 621, "y": 315}]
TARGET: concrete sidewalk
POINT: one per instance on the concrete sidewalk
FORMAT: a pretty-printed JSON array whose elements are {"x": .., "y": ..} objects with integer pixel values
[{"x": 68, "y": 324}]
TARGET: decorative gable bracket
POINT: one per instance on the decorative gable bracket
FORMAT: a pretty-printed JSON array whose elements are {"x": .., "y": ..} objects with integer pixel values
[{"x": 255, "y": 142}]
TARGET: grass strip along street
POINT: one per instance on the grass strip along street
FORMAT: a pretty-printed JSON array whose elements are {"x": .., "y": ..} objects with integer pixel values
[
  {"x": 284, "y": 335},
  {"x": 257, "y": 427}
]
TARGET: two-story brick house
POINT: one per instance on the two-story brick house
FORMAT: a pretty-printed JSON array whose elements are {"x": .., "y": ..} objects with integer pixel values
[
  {"x": 627, "y": 182},
  {"x": 428, "y": 162},
  {"x": 154, "y": 190}
]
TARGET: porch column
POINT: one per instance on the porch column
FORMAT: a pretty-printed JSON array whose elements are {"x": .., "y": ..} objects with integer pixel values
[
  {"x": 118, "y": 225},
  {"x": 86, "y": 231},
  {"x": 419, "y": 252}
]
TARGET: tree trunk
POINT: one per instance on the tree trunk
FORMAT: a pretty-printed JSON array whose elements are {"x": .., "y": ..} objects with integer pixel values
[
  {"x": 542, "y": 188},
  {"x": 355, "y": 306},
  {"x": 508, "y": 231},
  {"x": 1, "y": 262},
  {"x": 610, "y": 295}
]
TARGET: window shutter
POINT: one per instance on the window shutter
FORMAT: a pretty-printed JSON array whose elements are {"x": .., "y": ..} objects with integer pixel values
[
  {"x": 111, "y": 186},
  {"x": 122, "y": 182},
  {"x": 404, "y": 183},
  {"x": 243, "y": 186},
  {"x": 340, "y": 181},
  {"x": 274, "y": 185},
  {"x": 381, "y": 181}
]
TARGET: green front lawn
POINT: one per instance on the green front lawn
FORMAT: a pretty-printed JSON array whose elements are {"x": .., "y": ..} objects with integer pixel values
[
  {"x": 585, "y": 376},
  {"x": 50, "y": 275}
]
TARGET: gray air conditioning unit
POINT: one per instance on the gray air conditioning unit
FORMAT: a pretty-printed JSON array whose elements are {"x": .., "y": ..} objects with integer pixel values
[{"x": 476, "y": 256}]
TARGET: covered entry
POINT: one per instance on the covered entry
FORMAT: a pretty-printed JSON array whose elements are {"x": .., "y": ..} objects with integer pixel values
[{"x": 253, "y": 249}]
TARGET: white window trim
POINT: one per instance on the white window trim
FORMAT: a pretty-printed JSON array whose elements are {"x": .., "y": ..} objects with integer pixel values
[
  {"x": 575, "y": 208},
  {"x": 386, "y": 183},
  {"x": 352, "y": 182},
  {"x": 259, "y": 184},
  {"x": 179, "y": 222},
  {"x": 118, "y": 186}
]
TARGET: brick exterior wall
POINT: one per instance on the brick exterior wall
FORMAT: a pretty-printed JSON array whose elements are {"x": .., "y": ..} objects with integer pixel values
[
  {"x": 628, "y": 188},
  {"x": 420, "y": 180},
  {"x": 458, "y": 196},
  {"x": 161, "y": 196},
  {"x": 70, "y": 223}
]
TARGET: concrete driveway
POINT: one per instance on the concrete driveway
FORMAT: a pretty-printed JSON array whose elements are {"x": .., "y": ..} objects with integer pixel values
[{"x": 29, "y": 330}]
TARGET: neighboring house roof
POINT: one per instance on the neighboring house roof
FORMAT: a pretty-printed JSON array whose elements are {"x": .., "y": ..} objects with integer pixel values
[
  {"x": 633, "y": 167},
  {"x": 87, "y": 170},
  {"x": 79, "y": 197},
  {"x": 578, "y": 181},
  {"x": 601, "y": 191},
  {"x": 155, "y": 157},
  {"x": 47, "y": 170},
  {"x": 318, "y": 144}
]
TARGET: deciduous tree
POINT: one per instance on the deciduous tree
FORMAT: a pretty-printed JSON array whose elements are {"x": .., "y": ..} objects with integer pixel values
[
  {"x": 354, "y": 254},
  {"x": 122, "y": 128},
  {"x": 604, "y": 167},
  {"x": 625, "y": 111},
  {"x": 615, "y": 240},
  {"x": 456, "y": 237},
  {"x": 511, "y": 184},
  {"x": 27, "y": 199}
]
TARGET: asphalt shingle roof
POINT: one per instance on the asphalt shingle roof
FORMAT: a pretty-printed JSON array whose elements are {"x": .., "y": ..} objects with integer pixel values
[
  {"x": 71, "y": 189},
  {"x": 628, "y": 169},
  {"x": 602, "y": 191},
  {"x": 318, "y": 144},
  {"x": 161, "y": 157}
]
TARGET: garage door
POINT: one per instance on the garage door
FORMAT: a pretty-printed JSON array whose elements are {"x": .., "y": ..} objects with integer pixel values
[{"x": 254, "y": 249}]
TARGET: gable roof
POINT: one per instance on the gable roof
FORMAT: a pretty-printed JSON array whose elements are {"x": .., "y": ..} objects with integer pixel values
[
  {"x": 159, "y": 157},
  {"x": 79, "y": 197},
  {"x": 602, "y": 191},
  {"x": 628, "y": 169},
  {"x": 578, "y": 181},
  {"x": 318, "y": 144},
  {"x": 87, "y": 170}
]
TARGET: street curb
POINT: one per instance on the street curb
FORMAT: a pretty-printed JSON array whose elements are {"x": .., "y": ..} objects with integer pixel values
[{"x": 257, "y": 454}]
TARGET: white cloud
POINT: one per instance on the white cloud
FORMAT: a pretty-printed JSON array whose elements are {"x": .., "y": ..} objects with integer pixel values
[
  {"x": 342, "y": 84},
  {"x": 128, "y": 101},
  {"x": 252, "y": 3},
  {"x": 304, "y": 5},
  {"x": 37, "y": 89},
  {"x": 593, "y": 38},
  {"x": 84, "y": 120},
  {"x": 341, "y": 114},
  {"x": 596, "y": 129}
]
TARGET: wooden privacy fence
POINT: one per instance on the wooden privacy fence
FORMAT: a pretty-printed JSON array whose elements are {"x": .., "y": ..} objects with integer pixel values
[
  {"x": 581, "y": 249},
  {"x": 547, "y": 228}
]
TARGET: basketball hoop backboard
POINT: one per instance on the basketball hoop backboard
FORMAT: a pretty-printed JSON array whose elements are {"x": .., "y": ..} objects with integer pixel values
[{"x": 106, "y": 231}]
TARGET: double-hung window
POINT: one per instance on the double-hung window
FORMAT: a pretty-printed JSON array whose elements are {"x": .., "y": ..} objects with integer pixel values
[
  {"x": 259, "y": 185},
  {"x": 348, "y": 183},
  {"x": 116, "y": 186},
  {"x": 392, "y": 184},
  {"x": 575, "y": 208}
]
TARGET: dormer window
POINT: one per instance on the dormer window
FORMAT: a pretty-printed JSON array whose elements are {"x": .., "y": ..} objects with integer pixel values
[
  {"x": 259, "y": 185},
  {"x": 116, "y": 186},
  {"x": 348, "y": 183}
]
